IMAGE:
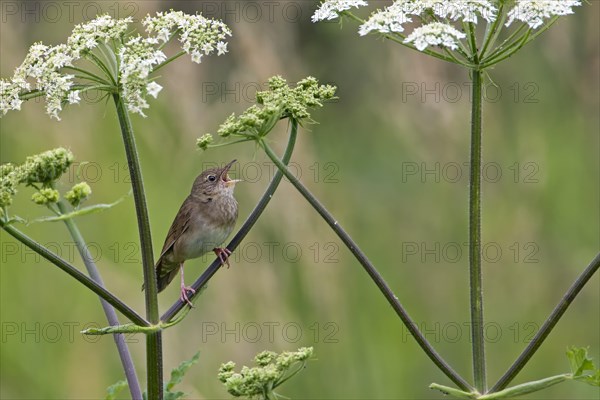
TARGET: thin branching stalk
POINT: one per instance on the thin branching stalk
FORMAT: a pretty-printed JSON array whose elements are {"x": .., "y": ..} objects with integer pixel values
[
  {"x": 75, "y": 273},
  {"x": 245, "y": 229},
  {"x": 399, "y": 38},
  {"x": 153, "y": 340},
  {"x": 109, "y": 311},
  {"x": 475, "y": 275},
  {"x": 371, "y": 270},
  {"x": 548, "y": 325}
]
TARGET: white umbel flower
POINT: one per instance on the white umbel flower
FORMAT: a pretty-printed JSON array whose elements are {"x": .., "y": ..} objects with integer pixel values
[
  {"x": 435, "y": 34},
  {"x": 43, "y": 67},
  {"x": 9, "y": 95},
  {"x": 198, "y": 35},
  {"x": 534, "y": 12},
  {"x": 330, "y": 9},
  {"x": 467, "y": 10},
  {"x": 101, "y": 29},
  {"x": 43, "y": 63},
  {"x": 73, "y": 97},
  {"x": 386, "y": 21},
  {"x": 153, "y": 89},
  {"x": 138, "y": 58}
]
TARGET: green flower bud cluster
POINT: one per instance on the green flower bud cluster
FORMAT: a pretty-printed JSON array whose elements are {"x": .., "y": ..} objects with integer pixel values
[
  {"x": 273, "y": 369},
  {"x": 45, "y": 196},
  {"x": 78, "y": 193},
  {"x": 296, "y": 102},
  {"x": 204, "y": 141},
  {"x": 40, "y": 171},
  {"x": 46, "y": 167},
  {"x": 280, "y": 101},
  {"x": 8, "y": 184}
]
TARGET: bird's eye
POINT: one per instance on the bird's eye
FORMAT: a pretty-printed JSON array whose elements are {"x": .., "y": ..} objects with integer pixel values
[{"x": 212, "y": 178}]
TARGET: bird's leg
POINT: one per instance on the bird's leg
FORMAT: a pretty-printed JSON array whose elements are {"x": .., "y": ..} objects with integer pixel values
[
  {"x": 184, "y": 289},
  {"x": 223, "y": 253}
]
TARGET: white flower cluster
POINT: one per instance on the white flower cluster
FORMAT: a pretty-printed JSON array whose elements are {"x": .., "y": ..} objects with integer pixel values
[
  {"x": 330, "y": 9},
  {"x": 386, "y": 21},
  {"x": 198, "y": 35},
  {"x": 435, "y": 34},
  {"x": 104, "y": 28},
  {"x": 138, "y": 57},
  {"x": 392, "y": 18},
  {"x": 9, "y": 95},
  {"x": 467, "y": 10},
  {"x": 533, "y": 12},
  {"x": 43, "y": 64}
]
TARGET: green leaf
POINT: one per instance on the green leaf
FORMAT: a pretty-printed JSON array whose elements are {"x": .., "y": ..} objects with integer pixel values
[
  {"x": 78, "y": 213},
  {"x": 579, "y": 360},
  {"x": 114, "y": 389},
  {"x": 525, "y": 388},
  {"x": 125, "y": 328},
  {"x": 14, "y": 220},
  {"x": 459, "y": 394},
  {"x": 173, "y": 395},
  {"x": 177, "y": 375},
  {"x": 580, "y": 363},
  {"x": 593, "y": 380}
]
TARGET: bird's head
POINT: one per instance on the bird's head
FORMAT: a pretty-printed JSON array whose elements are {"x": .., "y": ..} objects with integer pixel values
[{"x": 215, "y": 182}]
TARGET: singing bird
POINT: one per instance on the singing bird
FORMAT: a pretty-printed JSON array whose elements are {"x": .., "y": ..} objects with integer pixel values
[{"x": 205, "y": 219}]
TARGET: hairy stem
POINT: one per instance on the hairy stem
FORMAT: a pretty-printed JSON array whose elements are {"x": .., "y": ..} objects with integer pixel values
[
  {"x": 548, "y": 325},
  {"x": 475, "y": 276},
  {"x": 153, "y": 340},
  {"x": 109, "y": 311},
  {"x": 75, "y": 273},
  {"x": 370, "y": 269},
  {"x": 244, "y": 230}
]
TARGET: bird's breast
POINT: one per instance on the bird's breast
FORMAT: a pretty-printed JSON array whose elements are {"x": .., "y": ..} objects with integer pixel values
[{"x": 208, "y": 228}]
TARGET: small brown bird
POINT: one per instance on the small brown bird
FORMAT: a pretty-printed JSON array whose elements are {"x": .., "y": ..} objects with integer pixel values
[{"x": 205, "y": 219}]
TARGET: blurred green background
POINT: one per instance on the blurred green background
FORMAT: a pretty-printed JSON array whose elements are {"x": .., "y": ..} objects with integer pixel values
[{"x": 389, "y": 161}]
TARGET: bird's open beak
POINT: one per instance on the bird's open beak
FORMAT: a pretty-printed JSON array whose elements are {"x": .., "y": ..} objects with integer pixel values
[{"x": 225, "y": 178}]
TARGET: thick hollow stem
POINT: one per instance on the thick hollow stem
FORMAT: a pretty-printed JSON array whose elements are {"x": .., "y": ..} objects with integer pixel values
[
  {"x": 475, "y": 276},
  {"x": 109, "y": 311},
  {"x": 548, "y": 325},
  {"x": 153, "y": 340},
  {"x": 370, "y": 269},
  {"x": 237, "y": 239}
]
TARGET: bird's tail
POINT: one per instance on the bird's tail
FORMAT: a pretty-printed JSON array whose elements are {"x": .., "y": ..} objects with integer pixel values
[{"x": 165, "y": 273}]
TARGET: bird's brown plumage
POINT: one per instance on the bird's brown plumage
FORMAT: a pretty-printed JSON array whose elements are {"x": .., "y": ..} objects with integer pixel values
[{"x": 203, "y": 222}]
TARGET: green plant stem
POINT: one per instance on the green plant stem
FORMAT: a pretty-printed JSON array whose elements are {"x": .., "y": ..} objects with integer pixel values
[
  {"x": 245, "y": 229},
  {"x": 475, "y": 275},
  {"x": 92, "y": 57},
  {"x": 526, "y": 388},
  {"x": 492, "y": 31},
  {"x": 370, "y": 269},
  {"x": 75, "y": 273},
  {"x": 507, "y": 52},
  {"x": 168, "y": 61},
  {"x": 109, "y": 311},
  {"x": 88, "y": 75},
  {"x": 153, "y": 340},
  {"x": 548, "y": 325}
]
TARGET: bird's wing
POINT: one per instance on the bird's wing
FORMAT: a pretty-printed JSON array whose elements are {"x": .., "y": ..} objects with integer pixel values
[
  {"x": 178, "y": 227},
  {"x": 166, "y": 273}
]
